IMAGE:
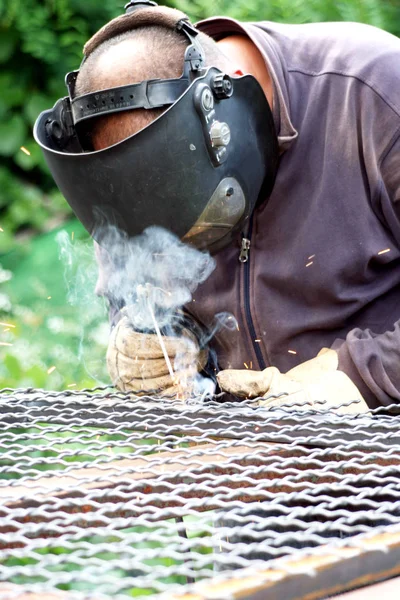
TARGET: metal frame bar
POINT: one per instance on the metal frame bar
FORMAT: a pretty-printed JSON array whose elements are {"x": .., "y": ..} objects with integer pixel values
[{"x": 332, "y": 569}]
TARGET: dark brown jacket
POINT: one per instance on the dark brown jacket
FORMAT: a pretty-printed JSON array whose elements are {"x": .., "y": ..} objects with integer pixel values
[{"x": 324, "y": 260}]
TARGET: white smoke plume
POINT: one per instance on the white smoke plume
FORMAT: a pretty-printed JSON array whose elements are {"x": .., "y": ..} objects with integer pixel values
[
  {"x": 151, "y": 277},
  {"x": 89, "y": 324},
  {"x": 159, "y": 263}
]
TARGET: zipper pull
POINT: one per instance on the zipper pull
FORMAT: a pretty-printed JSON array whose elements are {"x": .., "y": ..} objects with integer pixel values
[{"x": 244, "y": 250}]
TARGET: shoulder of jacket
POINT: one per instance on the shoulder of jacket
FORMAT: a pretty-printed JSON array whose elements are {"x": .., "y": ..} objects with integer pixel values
[{"x": 355, "y": 50}]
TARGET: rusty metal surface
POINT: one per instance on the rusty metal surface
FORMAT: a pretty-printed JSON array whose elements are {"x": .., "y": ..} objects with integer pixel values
[{"x": 106, "y": 495}]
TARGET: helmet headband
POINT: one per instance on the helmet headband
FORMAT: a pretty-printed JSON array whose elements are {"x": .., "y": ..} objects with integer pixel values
[{"x": 149, "y": 94}]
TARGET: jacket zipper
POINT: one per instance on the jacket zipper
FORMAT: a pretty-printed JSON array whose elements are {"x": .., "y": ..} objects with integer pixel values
[
  {"x": 244, "y": 250},
  {"x": 244, "y": 259}
]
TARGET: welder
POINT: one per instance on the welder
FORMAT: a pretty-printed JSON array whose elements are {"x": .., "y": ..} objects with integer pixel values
[{"x": 275, "y": 147}]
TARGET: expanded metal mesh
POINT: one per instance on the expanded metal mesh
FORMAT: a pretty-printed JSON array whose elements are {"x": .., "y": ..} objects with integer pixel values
[{"x": 106, "y": 495}]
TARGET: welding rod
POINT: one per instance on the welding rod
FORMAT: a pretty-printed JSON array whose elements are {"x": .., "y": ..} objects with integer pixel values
[{"x": 158, "y": 332}]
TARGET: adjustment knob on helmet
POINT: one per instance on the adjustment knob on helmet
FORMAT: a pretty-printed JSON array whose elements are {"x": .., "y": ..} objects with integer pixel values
[
  {"x": 54, "y": 130},
  {"x": 220, "y": 134},
  {"x": 222, "y": 86}
]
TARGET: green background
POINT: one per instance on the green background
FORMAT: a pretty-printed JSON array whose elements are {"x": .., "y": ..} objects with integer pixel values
[{"x": 47, "y": 274}]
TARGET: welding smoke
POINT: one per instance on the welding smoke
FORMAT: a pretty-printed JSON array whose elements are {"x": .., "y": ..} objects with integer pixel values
[
  {"x": 155, "y": 261},
  {"x": 87, "y": 321},
  {"x": 149, "y": 279},
  {"x": 152, "y": 277}
]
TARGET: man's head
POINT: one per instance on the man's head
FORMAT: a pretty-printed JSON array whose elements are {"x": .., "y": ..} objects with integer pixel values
[
  {"x": 152, "y": 51},
  {"x": 169, "y": 137}
]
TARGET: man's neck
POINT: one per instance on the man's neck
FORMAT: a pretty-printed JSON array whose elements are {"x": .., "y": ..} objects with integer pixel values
[{"x": 248, "y": 59}]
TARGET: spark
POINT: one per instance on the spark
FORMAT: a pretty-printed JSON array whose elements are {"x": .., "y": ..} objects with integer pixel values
[
  {"x": 311, "y": 257},
  {"x": 72, "y": 235},
  {"x": 256, "y": 428},
  {"x": 5, "y": 344},
  {"x": 310, "y": 263},
  {"x": 257, "y": 340},
  {"x": 6, "y": 329},
  {"x": 71, "y": 385},
  {"x": 384, "y": 251},
  {"x": 49, "y": 371},
  {"x": 109, "y": 450},
  {"x": 251, "y": 364},
  {"x": 245, "y": 364},
  {"x": 1, "y": 229},
  {"x": 48, "y": 297},
  {"x": 292, "y": 351},
  {"x": 25, "y": 150},
  {"x": 7, "y": 324}
]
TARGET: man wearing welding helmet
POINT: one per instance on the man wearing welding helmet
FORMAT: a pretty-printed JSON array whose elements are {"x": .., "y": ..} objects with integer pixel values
[{"x": 278, "y": 149}]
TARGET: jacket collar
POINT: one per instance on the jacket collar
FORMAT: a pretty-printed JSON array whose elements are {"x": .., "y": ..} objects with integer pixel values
[{"x": 219, "y": 27}]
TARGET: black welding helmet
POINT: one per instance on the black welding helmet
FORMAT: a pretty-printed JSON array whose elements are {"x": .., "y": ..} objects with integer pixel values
[{"x": 197, "y": 170}]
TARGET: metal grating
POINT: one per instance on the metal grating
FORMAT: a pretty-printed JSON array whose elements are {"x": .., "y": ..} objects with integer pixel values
[{"x": 107, "y": 495}]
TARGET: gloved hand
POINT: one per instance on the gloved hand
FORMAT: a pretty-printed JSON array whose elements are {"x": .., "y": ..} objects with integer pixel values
[
  {"x": 314, "y": 380},
  {"x": 136, "y": 362}
]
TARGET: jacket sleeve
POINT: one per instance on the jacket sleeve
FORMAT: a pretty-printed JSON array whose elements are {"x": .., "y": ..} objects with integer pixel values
[{"x": 372, "y": 361}]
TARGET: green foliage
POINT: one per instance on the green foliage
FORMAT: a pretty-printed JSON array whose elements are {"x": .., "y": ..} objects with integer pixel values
[
  {"x": 381, "y": 13},
  {"x": 39, "y": 42},
  {"x": 53, "y": 331}
]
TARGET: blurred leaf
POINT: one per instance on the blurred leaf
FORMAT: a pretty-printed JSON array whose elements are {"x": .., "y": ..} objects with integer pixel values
[
  {"x": 59, "y": 203},
  {"x": 8, "y": 40},
  {"x": 35, "y": 105},
  {"x": 31, "y": 160},
  {"x": 12, "y": 90},
  {"x": 7, "y": 240},
  {"x": 12, "y": 134},
  {"x": 43, "y": 45},
  {"x": 37, "y": 375},
  {"x": 13, "y": 366},
  {"x": 29, "y": 208}
]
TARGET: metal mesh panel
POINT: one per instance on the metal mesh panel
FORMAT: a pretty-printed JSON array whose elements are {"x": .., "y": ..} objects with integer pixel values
[{"x": 105, "y": 495}]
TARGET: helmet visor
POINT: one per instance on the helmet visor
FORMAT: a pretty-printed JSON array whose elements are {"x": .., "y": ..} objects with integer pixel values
[{"x": 220, "y": 217}]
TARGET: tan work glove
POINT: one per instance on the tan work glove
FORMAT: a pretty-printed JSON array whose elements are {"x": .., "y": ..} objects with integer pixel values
[
  {"x": 136, "y": 361},
  {"x": 314, "y": 384}
]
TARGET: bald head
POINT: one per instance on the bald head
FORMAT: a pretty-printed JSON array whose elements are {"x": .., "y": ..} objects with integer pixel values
[{"x": 151, "y": 52}]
